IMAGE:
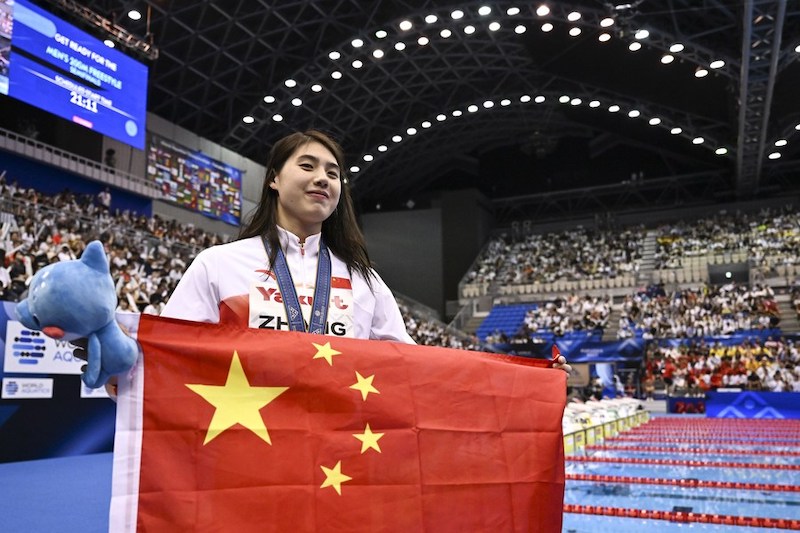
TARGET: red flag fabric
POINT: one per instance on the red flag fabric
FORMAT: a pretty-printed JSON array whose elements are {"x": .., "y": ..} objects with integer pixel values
[{"x": 226, "y": 429}]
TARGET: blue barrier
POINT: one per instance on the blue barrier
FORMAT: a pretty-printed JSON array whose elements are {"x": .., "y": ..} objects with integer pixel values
[{"x": 752, "y": 404}]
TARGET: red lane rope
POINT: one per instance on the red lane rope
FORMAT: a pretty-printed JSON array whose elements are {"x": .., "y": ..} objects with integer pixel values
[
  {"x": 691, "y": 451},
  {"x": 680, "y": 462},
  {"x": 748, "y": 442},
  {"x": 689, "y": 483},
  {"x": 674, "y": 516}
]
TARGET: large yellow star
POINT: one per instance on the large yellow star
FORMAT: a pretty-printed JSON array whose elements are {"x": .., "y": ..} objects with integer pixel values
[
  {"x": 237, "y": 402},
  {"x": 334, "y": 478},
  {"x": 324, "y": 351},
  {"x": 364, "y": 385},
  {"x": 369, "y": 439}
]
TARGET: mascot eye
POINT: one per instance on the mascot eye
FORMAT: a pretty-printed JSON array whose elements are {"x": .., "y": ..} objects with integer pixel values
[{"x": 36, "y": 319}]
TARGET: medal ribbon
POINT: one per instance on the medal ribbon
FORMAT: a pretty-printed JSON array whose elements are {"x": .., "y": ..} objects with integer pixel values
[{"x": 322, "y": 291}]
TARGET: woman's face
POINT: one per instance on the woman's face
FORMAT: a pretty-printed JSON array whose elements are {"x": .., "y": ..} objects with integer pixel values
[{"x": 308, "y": 187}]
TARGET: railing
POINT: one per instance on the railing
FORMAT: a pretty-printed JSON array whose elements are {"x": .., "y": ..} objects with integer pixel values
[{"x": 45, "y": 153}]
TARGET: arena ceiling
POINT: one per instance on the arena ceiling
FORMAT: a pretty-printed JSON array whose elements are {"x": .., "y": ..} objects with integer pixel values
[{"x": 451, "y": 102}]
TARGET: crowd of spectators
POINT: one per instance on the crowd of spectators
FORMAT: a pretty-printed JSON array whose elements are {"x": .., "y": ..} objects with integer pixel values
[
  {"x": 768, "y": 238},
  {"x": 695, "y": 367},
  {"x": 574, "y": 255},
  {"x": 566, "y": 315},
  {"x": 429, "y": 331},
  {"x": 709, "y": 310}
]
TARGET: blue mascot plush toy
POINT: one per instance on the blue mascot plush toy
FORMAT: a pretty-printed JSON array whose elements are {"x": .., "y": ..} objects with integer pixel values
[{"x": 74, "y": 299}]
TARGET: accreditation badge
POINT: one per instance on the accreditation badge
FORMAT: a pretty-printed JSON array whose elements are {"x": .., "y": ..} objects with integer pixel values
[{"x": 267, "y": 310}]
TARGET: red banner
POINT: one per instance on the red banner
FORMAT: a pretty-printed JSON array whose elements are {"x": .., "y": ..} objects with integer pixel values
[{"x": 224, "y": 429}]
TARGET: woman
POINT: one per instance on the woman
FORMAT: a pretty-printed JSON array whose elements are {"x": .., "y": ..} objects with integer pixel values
[{"x": 303, "y": 240}]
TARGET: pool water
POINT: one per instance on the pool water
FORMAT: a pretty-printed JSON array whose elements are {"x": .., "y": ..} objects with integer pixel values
[{"x": 759, "y": 462}]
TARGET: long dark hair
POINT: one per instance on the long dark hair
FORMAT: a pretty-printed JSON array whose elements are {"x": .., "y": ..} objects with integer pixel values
[{"x": 340, "y": 230}]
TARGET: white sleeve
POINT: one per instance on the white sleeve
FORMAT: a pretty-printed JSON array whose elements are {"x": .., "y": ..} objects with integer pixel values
[
  {"x": 387, "y": 321},
  {"x": 196, "y": 297}
]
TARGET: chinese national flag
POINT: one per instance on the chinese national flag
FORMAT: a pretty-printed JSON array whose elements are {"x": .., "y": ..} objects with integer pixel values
[{"x": 247, "y": 430}]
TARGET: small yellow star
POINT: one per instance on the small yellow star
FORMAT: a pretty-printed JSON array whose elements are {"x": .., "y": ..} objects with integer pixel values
[
  {"x": 334, "y": 478},
  {"x": 364, "y": 385},
  {"x": 369, "y": 439},
  {"x": 324, "y": 351},
  {"x": 237, "y": 402}
]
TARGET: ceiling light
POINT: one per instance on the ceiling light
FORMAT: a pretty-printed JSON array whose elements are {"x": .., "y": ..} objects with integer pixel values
[
  {"x": 290, "y": 83},
  {"x": 505, "y": 101},
  {"x": 472, "y": 108},
  {"x": 512, "y": 11},
  {"x": 635, "y": 46},
  {"x": 774, "y": 155},
  {"x": 357, "y": 43},
  {"x": 445, "y": 33},
  {"x": 542, "y": 10},
  {"x": 400, "y": 46},
  {"x": 572, "y": 17},
  {"x": 316, "y": 87},
  {"x": 411, "y": 131},
  {"x": 377, "y": 54},
  {"x": 574, "y": 31},
  {"x": 676, "y": 48},
  {"x": 469, "y": 30},
  {"x": 721, "y": 150},
  {"x": 406, "y": 25},
  {"x": 520, "y": 29},
  {"x": 613, "y": 108},
  {"x": 667, "y": 59},
  {"x": 247, "y": 119},
  {"x": 368, "y": 157},
  {"x": 698, "y": 140},
  {"x": 297, "y": 102},
  {"x": 382, "y": 148},
  {"x": 563, "y": 99},
  {"x": 334, "y": 55},
  {"x": 781, "y": 142},
  {"x": 457, "y": 113},
  {"x": 109, "y": 43},
  {"x": 594, "y": 103},
  {"x": 430, "y": 19},
  {"x": 397, "y": 138},
  {"x": 426, "y": 124},
  {"x": 603, "y": 37},
  {"x": 717, "y": 64},
  {"x": 539, "y": 99},
  {"x": 269, "y": 99},
  {"x": 134, "y": 15},
  {"x": 484, "y": 10},
  {"x": 700, "y": 72},
  {"x": 576, "y": 101},
  {"x": 606, "y": 22},
  {"x": 655, "y": 121},
  {"x": 641, "y": 34},
  {"x": 675, "y": 131},
  {"x": 277, "y": 118},
  {"x": 441, "y": 117},
  {"x": 546, "y": 27},
  {"x": 381, "y": 34},
  {"x": 336, "y": 75},
  {"x": 488, "y": 104},
  {"x": 797, "y": 127},
  {"x": 354, "y": 169},
  {"x": 357, "y": 63},
  {"x": 797, "y": 48},
  {"x": 457, "y": 14},
  {"x": 634, "y": 113},
  {"x": 494, "y": 26},
  {"x": 422, "y": 41},
  {"x": 524, "y": 98}
]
